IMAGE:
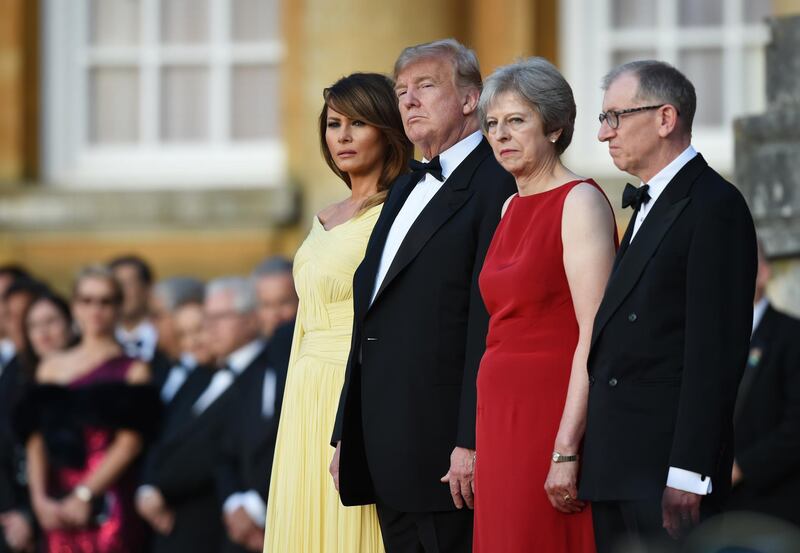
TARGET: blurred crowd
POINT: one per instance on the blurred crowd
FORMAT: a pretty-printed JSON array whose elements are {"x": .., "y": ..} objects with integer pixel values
[{"x": 140, "y": 411}]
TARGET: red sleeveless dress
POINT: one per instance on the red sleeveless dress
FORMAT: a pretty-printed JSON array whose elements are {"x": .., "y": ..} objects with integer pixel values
[{"x": 522, "y": 383}]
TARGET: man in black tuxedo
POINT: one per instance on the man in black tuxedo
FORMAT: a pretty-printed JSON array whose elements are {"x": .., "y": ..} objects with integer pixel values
[
  {"x": 766, "y": 470},
  {"x": 406, "y": 419},
  {"x": 170, "y": 365},
  {"x": 671, "y": 335},
  {"x": 244, "y": 472},
  {"x": 179, "y": 496},
  {"x": 16, "y": 517}
]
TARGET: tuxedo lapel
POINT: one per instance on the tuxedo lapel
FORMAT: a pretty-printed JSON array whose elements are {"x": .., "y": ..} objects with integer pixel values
[
  {"x": 364, "y": 278},
  {"x": 631, "y": 262},
  {"x": 626, "y": 240},
  {"x": 448, "y": 200}
]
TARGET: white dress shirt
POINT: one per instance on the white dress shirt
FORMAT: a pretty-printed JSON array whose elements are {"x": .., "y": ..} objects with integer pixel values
[
  {"x": 139, "y": 342},
  {"x": 177, "y": 377},
  {"x": 677, "y": 478},
  {"x": 758, "y": 312},
  {"x": 422, "y": 194},
  {"x": 252, "y": 504},
  {"x": 235, "y": 364},
  {"x": 7, "y": 353},
  {"x": 659, "y": 183}
]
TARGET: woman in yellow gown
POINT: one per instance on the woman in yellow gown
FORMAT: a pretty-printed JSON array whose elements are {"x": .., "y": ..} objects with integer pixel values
[{"x": 364, "y": 144}]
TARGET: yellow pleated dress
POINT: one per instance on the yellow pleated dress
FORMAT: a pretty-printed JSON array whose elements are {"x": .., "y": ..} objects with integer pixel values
[{"x": 304, "y": 514}]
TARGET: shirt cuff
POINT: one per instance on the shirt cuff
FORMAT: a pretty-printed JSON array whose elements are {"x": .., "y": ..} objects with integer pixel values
[
  {"x": 688, "y": 481},
  {"x": 232, "y": 503},
  {"x": 255, "y": 507},
  {"x": 145, "y": 489}
]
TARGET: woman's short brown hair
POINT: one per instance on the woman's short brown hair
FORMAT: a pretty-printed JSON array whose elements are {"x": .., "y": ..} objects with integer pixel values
[{"x": 369, "y": 97}]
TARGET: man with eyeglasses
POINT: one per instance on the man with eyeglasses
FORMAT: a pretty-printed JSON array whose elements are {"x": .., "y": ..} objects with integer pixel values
[{"x": 672, "y": 333}]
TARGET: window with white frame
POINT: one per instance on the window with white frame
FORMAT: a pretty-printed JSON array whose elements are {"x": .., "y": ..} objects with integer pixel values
[
  {"x": 162, "y": 93},
  {"x": 717, "y": 44}
]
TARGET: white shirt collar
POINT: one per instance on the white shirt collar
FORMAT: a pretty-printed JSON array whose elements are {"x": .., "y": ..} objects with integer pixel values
[
  {"x": 660, "y": 181},
  {"x": 452, "y": 157},
  {"x": 758, "y": 312},
  {"x": 240, "y": 359},
  {"x": 188, "y": 361},
  {"x": 7, "y": 350}
]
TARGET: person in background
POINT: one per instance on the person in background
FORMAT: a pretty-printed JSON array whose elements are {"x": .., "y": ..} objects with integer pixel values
[
  {"x": 178, "y": 495},
  {"x": 16, "y": 518},
  {"x": 167, "y": 297},
  {"x": 85, "y": 424},
  {"x": 243, "y": 474},
  {"x": 136, "y": 332},
  {"x": 766, "y": 467},
  {"x": 277, "y": 298},
  {"x": 49, "y": 328}
]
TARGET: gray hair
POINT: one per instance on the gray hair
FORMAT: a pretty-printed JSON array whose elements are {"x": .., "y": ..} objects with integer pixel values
[
  {"x": 465, "y": 63},
  {"x": 274, "y": 265},
  {"x": 543, "y": 87},
  {"x": 241, "y": 288},
  {"x": 178, "y": 291},
  {"x": 659, "y": 82}
]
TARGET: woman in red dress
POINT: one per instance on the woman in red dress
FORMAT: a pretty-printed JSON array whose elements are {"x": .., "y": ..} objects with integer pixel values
[
  {"x": 542, "y": 282},
  {"x": 84, "y": 423}
]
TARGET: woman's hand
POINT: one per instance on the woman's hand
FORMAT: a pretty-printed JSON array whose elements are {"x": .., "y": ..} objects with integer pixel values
[
  {"x": 75, "y": 512},
  {"x": 48, "y": 513},
  {"x": 561, "y": 487},
  {"x": 334, "y": 468}
]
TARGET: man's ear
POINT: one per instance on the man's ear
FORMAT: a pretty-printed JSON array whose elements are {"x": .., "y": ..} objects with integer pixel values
[
  {"x": 470, "y": 101},
  {"x": 668, "y": 120}
]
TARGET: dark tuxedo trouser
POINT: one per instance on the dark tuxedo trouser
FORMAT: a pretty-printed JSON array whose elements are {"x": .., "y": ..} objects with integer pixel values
[
  {"x": 440, "y": 532},
  {"x": 619, "y": 525}
]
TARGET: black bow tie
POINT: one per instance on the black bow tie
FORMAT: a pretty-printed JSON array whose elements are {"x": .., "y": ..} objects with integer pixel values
[
  {"x": 419, "y": 168},
  {"x": 635, "y": 197}
]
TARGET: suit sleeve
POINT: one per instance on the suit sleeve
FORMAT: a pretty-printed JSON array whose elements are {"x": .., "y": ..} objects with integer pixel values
[
  {"x": 491, "y": 199},
  {"x": 720, "y": 283},
  {"x": 776, "y": 455},
  {"x": 227, "y": 476},
  {"x": 186, "y": 470}
]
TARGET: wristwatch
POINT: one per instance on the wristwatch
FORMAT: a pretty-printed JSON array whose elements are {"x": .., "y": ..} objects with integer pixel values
[
  {"x": 558, "y": 458},
  {"x": 83, "y": 493}
]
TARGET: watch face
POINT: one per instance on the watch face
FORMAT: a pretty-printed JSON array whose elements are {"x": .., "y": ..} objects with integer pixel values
[{"x": 555, "y": 457}]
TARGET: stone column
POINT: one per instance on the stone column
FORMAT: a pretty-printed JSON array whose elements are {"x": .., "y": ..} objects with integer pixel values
[{"x": 768, "y": 162}]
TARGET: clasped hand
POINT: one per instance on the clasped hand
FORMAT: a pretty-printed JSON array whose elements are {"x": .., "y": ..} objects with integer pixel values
[{"x": 562, "y": 488}]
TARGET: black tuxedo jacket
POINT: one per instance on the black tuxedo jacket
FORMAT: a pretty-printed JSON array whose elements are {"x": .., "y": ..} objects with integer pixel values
[
  {"x": 409, "y": 394},
  {"x": 183, "y": 462},
  {"x": 670, "y": 341},
  {"x": 13, "y": 491},
  {"x": 767, "y": 420},
  {"x": 249, "y": 444}
]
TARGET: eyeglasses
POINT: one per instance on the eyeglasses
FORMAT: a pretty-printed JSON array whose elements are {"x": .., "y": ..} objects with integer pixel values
[
  {"x": 612, "y": 117},
  {"x": 99, "y": 301}
]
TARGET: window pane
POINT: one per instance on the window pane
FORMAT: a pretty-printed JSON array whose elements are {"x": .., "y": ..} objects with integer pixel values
[
  {"x": 184, "y": 21},
  {"x": 113, "y": 105},
  {"x": 754, "y": 94},
  {"x": 692, "y": 13},
  {"x": 624, "y": 56},
  {"x": 756, "y": 10},
  {"x": 114, "y": 22},
  {"x": 633, "y": 13},
  {"x": 255, "y": 20},
  {"x": 184, "y": 104},
  {"x": 255, "y": 102},
  {"x": 704, "y": 68}
]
